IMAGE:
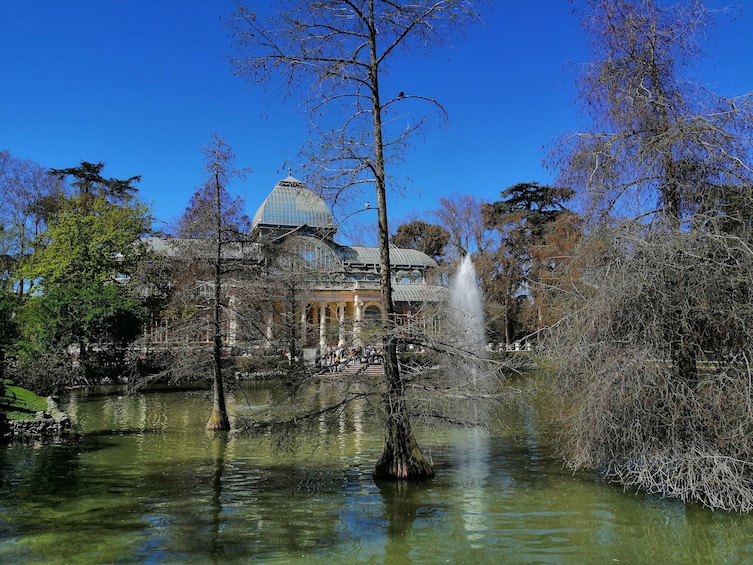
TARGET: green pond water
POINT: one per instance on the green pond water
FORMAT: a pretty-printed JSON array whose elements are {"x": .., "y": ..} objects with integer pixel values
[{"x": 142, "y": 482}]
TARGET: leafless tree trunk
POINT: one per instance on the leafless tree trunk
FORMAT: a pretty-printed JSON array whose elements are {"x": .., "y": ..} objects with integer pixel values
[
  {"x": 218, "y": 419},
  {"x": 341, "y": 48},
  {"x": 197, "y": 258}
]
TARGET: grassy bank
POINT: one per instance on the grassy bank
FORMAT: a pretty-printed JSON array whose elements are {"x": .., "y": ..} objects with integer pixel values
[{"x": 19, "y": 403}]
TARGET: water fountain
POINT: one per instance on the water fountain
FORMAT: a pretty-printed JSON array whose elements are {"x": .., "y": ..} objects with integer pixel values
[
  {"x": 466, "y": 321},
  {"x": 466, "y": 316}
]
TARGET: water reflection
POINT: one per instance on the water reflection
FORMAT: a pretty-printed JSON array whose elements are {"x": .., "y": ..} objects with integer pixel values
[
  {"x": 471, "y": 460},
  {"x": 144, "y": 482},
  {"x": 219, "y": 447}
]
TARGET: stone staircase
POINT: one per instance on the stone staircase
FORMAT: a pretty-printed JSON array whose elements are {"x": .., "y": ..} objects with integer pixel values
[{"x": 364, "y": 369}]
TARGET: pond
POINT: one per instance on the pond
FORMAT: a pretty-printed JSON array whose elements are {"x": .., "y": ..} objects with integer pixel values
[{"x": 142, "y": 482}]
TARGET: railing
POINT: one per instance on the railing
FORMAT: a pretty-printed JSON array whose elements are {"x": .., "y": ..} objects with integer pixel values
[
  {"x": 358, "y": 285},
  {"x": 347, "y": 285}
]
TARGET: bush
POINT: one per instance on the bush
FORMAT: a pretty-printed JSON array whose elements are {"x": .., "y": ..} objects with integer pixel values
[
  {"x": 45, "y": 375},
  {"x": 262, "y": 364},
  {"x": 418, "y": 359}
]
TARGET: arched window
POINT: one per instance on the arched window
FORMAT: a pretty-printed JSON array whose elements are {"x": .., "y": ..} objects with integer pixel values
[
  {"x": 316, "y": 254},
  {"x": 372, "y": 313}
]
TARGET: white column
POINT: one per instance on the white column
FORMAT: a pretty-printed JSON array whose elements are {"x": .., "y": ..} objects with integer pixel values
[
  {"x": 322, "y": 325},
  {"x": 303, "y": 325},
  {"x": 232, "y": 323},
  {"x": 357, "y": 321},
  {"x": 269, "y": 330},
  {"x": 341, "y": 323}
]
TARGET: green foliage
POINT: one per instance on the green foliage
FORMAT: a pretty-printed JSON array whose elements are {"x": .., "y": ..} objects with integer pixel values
[
  {"x": 98, "y": 246},
  {"x": 45, "y": 372},
  {"x": 97, "y": 314},
  {"x": 535, "y": 230},
  {"x": 8, "y": 325},
  {"x": 91, "y": 185},
  {"x": 85, "y": 270},
  {"x": 260, "y": 364},
  {"x": 525, "y": 212},
  {"x": 427, "y": 238},
  {"x": 99, "y": 320}
]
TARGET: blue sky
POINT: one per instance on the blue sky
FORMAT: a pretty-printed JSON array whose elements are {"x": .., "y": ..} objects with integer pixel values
[{"x": 141, "y": 86}]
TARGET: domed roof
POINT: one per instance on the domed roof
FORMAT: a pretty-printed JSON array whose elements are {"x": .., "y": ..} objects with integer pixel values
[{"x": 292, "y": 205}]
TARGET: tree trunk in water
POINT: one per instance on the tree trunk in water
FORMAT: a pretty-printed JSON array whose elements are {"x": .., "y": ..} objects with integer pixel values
[
  {"x": 401, "y": 457},
  {"x": 219, "y": 419}
]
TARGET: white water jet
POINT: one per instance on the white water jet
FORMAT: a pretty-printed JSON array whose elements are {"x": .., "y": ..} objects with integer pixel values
[
  {"x": 466, "y": 309},
  {"x": 466, "y": 318}
]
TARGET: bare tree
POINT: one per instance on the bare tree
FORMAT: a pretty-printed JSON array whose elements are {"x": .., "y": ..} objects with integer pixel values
[
  {"x": 662, "y": 141},
  {"x": 460, "y": 215},
  {"x": 655, "y": 375},
  {"x": 25, "y": 188},
  {"x": 212, "y": 222},
  {"x": 342, "y": 49}
]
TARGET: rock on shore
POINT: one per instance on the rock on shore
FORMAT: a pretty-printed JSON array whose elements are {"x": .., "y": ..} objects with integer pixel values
[{"x": 48, "y": 426}]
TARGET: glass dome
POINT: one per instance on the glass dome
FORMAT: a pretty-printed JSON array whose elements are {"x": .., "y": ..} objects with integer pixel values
[{"x": 291, "y": 204}]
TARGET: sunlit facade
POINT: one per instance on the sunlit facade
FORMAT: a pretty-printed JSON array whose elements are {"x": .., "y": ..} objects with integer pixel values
[
  {"x": 336, "y": 288},
  {"x": 337, "y": 309}
]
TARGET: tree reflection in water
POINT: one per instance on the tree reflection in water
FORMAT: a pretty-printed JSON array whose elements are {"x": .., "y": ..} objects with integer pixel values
[{"x": 143, "y": 482}]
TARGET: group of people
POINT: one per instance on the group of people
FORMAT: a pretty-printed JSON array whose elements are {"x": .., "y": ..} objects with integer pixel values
[
  {"x": 516, "y": 346},
  {"x": 334, "y": 357}
]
